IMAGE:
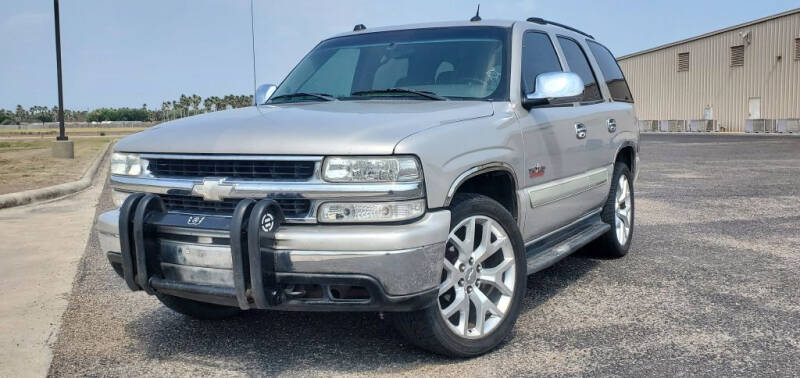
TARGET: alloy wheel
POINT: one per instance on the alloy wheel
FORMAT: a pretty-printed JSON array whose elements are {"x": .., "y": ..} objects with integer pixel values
[
  {"x": 478, "y": 277},
  {"x": 622, "y": 210}
]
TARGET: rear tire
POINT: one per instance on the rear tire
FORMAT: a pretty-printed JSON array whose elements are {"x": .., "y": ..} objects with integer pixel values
[
  {"x": 197, "y": 310},
  {"x": 618, "y": 212},
  {"x": 493, "y": 281}
]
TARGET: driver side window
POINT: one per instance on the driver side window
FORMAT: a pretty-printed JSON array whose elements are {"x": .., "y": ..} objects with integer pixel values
[{"x": 538, "y": 57}]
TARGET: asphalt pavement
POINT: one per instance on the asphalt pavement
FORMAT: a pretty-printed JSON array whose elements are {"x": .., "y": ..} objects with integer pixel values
[{"x": 711, "y": 287}]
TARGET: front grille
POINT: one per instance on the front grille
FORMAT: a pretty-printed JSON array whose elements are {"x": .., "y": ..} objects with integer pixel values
[
  {"x": 252, "y": 169},
  {"x": 292, "y": 208}
]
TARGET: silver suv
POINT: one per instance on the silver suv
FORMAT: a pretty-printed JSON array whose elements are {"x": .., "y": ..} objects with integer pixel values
[{"x": 421, "y": 171}]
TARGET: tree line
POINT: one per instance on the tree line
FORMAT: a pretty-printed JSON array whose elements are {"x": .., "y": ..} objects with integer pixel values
[{"x": 186, "y": 105}]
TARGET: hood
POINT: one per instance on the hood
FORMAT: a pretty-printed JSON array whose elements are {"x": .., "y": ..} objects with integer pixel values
[{"x": 326, "y": 128}]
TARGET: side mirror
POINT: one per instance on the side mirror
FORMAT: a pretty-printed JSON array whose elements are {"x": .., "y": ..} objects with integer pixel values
[
  {"x": 555, "y": 88},
  {"x": 264, "y": 92}
]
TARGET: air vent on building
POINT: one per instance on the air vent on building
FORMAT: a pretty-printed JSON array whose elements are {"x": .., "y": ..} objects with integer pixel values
[
  {"x": 797, "y": 49},
  {"x": 683, "y": 62},
  {"x": 737, "y": 56}
]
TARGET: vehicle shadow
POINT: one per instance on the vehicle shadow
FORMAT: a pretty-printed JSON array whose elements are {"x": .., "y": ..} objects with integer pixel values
[
  {"x": 544, "y": 285},
  {"x": 272, "y": 342}
]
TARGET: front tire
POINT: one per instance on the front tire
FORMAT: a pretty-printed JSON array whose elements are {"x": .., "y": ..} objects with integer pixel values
[
  {"x": 618, "y": 212},
  {"x": 483, "y": 282}
]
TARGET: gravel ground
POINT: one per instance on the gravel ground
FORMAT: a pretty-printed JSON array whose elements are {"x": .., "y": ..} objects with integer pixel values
[{"x": 710, "y": 287}]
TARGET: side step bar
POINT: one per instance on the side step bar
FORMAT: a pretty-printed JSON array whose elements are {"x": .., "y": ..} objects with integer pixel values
[{"x": 543, "y": 255}]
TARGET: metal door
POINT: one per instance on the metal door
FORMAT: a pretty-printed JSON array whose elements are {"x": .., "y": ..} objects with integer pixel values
[{"x": 754, "y": 106}]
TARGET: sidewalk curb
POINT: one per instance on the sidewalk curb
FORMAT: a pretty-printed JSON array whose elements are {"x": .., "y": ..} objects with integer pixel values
[{"x": 28, "y": 196}]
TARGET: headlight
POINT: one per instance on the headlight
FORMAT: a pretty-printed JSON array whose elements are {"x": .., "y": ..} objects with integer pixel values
[
  {"x": 118, "y": 197},
  {"x": 125, "y": 164},
  {"x": 347, "y": 212},
  {"x": 371, "y": 169}
]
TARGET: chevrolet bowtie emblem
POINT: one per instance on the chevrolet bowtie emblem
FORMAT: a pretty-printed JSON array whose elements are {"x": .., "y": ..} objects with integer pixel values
[{"x": 212, "y": 189}]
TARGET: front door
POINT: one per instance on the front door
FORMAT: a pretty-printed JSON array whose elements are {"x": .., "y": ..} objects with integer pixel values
[{"x": 558, "y": 162}]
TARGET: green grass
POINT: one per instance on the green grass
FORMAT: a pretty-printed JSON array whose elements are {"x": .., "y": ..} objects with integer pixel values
[
  {"x": 23, "y": 144},
  {"x": 81, "y": 130},
  {"x": 29, "y": 163}
]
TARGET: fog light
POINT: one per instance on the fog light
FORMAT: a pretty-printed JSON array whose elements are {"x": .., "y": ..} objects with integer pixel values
[{"x": 364, "y": 212}]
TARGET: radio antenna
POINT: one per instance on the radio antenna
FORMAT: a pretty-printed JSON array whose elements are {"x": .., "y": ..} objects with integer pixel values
[
  {"x": 477, "y": 16},
  {"x": 253, "y": 39}
]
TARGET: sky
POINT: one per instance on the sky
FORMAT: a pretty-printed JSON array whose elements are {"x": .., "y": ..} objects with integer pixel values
[{"x": 128, "y": 53}]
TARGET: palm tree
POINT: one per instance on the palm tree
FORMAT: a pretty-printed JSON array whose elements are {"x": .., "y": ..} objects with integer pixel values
[
  {"x": 195, "y": 100},
  {"x": 21, "y": 113},
  {"x": 184, "y": 101}
]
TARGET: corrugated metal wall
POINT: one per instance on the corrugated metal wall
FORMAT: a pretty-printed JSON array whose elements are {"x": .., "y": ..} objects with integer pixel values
[{"x": 663, "y": 93}]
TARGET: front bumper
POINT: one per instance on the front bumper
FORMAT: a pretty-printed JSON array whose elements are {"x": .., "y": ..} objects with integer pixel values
[{"x": 315, "y": 267}]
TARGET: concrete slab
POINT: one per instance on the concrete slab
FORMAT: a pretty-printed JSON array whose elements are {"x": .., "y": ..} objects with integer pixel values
[
  {"x": 64, "y": 149},
  {"x": 40, "y": 247}
]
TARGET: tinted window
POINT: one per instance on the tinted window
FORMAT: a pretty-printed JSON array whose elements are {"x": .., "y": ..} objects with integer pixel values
[
  {"x": 615, "y": 80},
  {"x": 576, "y": 59},
  {"x": 458, "y": 63},
  {"x": 334, "y": 76},
  {"x": 538, "y": 57}
]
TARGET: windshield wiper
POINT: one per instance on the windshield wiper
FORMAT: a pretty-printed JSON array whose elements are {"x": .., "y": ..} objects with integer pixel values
[
  {"x": 321, "y": 96},
  {"x": 426, "y": 94}
]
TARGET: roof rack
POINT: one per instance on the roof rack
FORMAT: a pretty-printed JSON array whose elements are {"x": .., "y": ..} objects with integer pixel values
[{"x": 542, "y": 21}]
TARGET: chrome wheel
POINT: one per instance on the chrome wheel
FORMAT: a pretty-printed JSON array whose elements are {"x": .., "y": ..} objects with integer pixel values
[
  {"x": 478, "y": 277},
  {"x": 622, "y": 210}
]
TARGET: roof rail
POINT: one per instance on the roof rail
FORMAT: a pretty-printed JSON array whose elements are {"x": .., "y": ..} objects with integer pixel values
[{"x": 542, "y": 21}]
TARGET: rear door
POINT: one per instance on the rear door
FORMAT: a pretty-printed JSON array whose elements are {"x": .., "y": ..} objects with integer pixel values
[{"x": 619, "y": 119}]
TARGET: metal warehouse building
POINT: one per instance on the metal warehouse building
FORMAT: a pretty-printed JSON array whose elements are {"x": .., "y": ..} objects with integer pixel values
[{"x": 742, "y": 78}]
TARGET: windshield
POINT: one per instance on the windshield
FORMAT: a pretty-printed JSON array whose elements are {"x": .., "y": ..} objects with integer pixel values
[{"x": 463, "y": 63}]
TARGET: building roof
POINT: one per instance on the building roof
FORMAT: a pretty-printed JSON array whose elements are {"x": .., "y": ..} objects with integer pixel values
[{"x": 709, "y": 34}]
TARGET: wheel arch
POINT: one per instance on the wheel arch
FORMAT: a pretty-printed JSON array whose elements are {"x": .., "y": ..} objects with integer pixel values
[
  {"x": 626, "y": 152},
  {"x": 505, "y": 193}
]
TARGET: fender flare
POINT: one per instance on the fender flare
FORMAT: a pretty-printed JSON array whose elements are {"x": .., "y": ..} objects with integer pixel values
[
  {"x": 635, "y": 158},
  {"x": 479, "y": 170}
]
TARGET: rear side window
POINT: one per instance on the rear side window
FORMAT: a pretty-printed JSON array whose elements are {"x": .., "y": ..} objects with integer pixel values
[
  {"x": 576, "y": 59},
  {"x": 615, "y": 80},
  {"x": 538, "y": 57}
]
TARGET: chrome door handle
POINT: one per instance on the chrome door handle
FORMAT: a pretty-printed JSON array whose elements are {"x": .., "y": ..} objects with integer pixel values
[
  {"x": 612, "y": 125},
  {"x": 580, "y": 131}
]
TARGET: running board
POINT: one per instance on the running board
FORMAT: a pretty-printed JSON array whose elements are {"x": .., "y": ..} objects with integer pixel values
[{"x": 544, "y": 254}]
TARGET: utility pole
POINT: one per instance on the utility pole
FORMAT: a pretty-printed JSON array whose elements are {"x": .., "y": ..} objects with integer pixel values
[{"x": 63, "y": 147}]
